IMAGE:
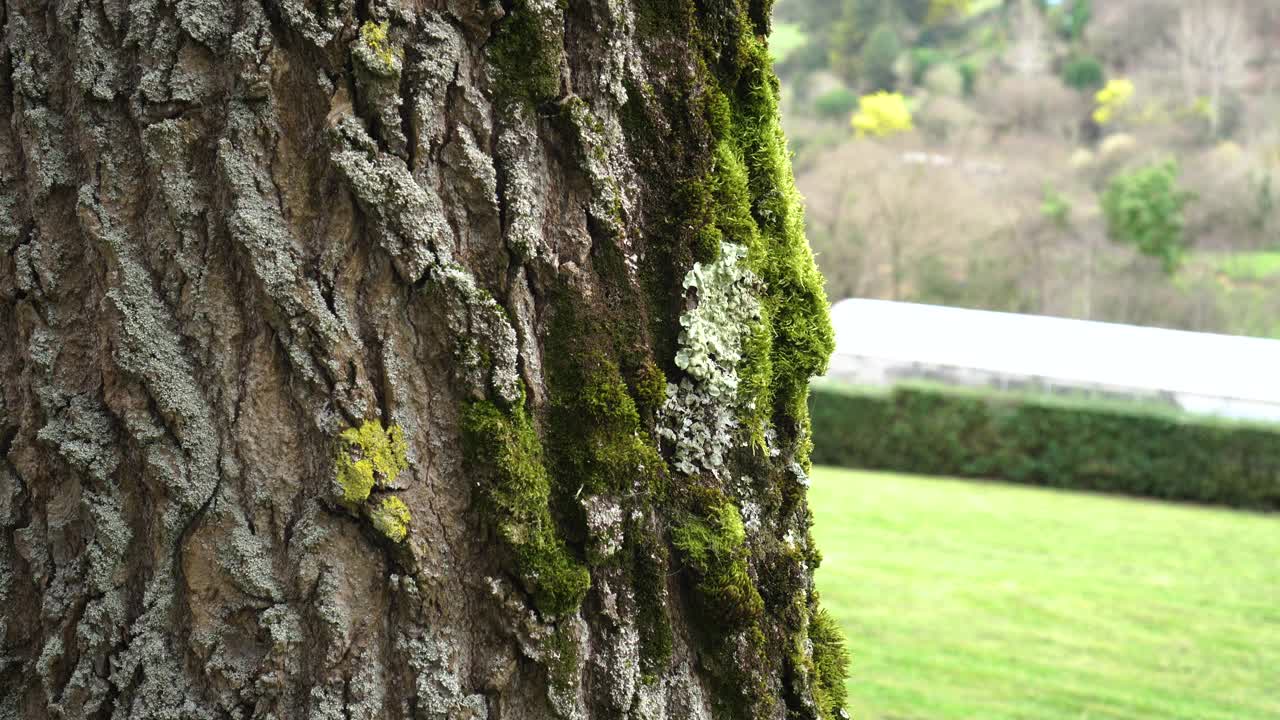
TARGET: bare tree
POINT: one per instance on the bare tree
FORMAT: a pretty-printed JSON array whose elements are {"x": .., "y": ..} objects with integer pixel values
[
  {"x": 1213, "y": 48},
  {"x": 397, "y": 360},
  {"x": 1029, "y": 53}
]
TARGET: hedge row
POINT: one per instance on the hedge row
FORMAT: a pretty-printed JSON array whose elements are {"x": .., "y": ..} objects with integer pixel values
[{"x": 1078, "y": 444}]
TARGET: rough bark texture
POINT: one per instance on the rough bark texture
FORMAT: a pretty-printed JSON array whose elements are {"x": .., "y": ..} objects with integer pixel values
[{"x": 395, "y": 358}]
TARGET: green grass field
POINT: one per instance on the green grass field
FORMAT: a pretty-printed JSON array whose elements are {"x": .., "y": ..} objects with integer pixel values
[{"x": 985, "y": 601}]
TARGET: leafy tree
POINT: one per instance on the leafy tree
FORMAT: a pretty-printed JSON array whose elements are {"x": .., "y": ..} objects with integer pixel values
[
  {"x": 878, "y": 57},
  {"x": 1075, "y": 19},
  {"x": 849, "y": 35},
  {"x": 1143, "y": 208}
]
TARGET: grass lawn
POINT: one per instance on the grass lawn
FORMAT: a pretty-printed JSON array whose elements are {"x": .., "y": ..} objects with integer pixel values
[{"x": 986, "y": 601}]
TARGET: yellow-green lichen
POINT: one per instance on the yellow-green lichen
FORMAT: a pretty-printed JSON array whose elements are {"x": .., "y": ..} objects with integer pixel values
[
  {"x": 376, "y": 51},
  {"x": 504, "y": 446},
  {"x": 391, "y": 518},
  {"x": 369, "y": 456}
]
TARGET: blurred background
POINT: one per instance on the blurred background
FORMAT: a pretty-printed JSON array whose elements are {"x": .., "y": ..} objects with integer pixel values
[
  {"x": 1025, "y": 116},
  {"x": 1046, "y": 517}
]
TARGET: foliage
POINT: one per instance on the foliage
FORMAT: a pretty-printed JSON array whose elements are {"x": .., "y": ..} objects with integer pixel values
[
  {"x": 1083, "y": 72},
  {"x": 878, "y": 57},
  {"x": 968, "y": 75},
  {"x": 923, "y": 58},
  {"x": 941, "y": 11},
  {"x": 1079, "y": 444},
  {"x": 882, "y": 114},
  {"x": 1143, "y": 208},
  {"x": 1073, "y": 20},
  {"x": 1056, "y": 604},
  {"x": 836, "y": 103},
  {"x": 1110, "y": 99},
  {"x": 1056, "y": 208},
  {"x": 786, "y": 39}
]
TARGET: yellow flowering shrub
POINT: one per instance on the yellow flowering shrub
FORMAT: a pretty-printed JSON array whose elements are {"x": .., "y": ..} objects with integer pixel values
[{"x": 882, "y": 114}]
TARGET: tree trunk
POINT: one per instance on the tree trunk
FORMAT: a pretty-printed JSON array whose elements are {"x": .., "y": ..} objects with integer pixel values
[{"x": 395, "y": 359}]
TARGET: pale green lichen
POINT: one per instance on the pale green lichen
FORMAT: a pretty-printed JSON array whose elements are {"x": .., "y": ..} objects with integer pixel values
[
  {"x": 369, "y": 456},
  {"x": 391, "y": 518},
  {"x": 699, "y": 416},
  {"x": 713, "y": 331}
]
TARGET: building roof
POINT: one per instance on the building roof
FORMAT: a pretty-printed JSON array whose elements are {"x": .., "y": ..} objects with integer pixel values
[{"x": 1081, "y": 351}]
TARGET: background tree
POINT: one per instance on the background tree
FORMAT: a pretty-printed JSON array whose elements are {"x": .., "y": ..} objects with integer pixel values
[
  {"x": 340, "y": 340},
  {"x": 1143, "y": 207},
  {"x": 878, "y": 57}
]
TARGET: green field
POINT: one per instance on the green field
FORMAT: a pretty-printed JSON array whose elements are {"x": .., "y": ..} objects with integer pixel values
[{"x": 985, "y": 601}]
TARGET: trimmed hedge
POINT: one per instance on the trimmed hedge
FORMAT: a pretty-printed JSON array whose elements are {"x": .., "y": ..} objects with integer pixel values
[{"x": 1080, "y": 444}]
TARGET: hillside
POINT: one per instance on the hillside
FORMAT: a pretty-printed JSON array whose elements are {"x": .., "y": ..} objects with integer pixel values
[{"x": 1023, "y": 116}]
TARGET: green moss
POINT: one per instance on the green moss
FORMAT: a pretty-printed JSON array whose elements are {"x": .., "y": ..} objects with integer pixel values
[
  {"x": 599, "y": 444},
  {"x": 802, "y": 338},
  {"x": 504, "y": 446},
  {"x": 714, "y": 546},
  {"x": 650, "y": 387},
  {"x": 391, "y": 518},
  {"x": 649, "y": 560},
  {"x": 830, "y": 665},
  {"x": 525, "y": 53},
  {"x": 369, "y": 456}
]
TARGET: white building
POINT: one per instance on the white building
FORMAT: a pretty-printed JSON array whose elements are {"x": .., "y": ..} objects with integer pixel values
[{"x": 880, "y": 342}]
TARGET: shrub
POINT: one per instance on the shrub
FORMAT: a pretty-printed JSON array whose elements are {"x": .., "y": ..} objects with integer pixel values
[
  {"x": 944, "y": 79},
  {"x": 1031, "y": 104},
  {"x": 1111, "y": 99},
  {"x": 836, "y": 103},
  {"x": 923, "y": 58},
  {"x": 944, "y": 118},
  {"x": 1143, "y": 208},
  {"x": 878, "y": 57},
  {"x": 969, "y": 76},
  {"x": 882, "y": 114},
  {"x": 1083, "y": 72},
  {"x": 1079, "y": 444}
]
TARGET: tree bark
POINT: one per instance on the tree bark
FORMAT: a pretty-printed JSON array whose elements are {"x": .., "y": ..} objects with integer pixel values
[{"x": 404, "y": 359}]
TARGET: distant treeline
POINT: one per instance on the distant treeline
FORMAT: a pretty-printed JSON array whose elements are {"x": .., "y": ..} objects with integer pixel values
[{"x": 1083, "y": 445}]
